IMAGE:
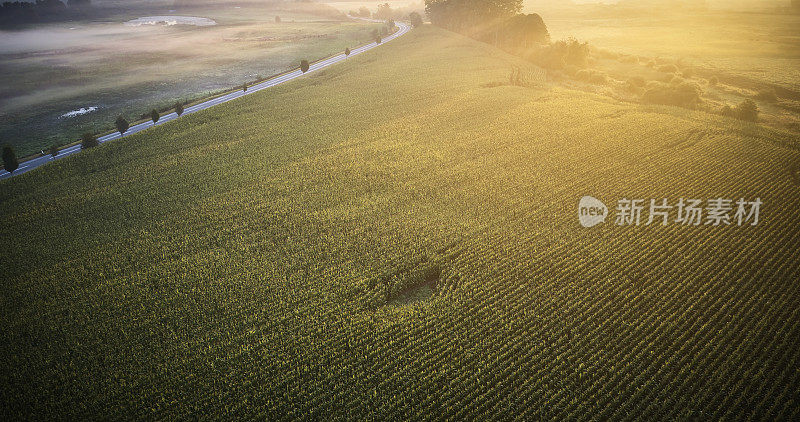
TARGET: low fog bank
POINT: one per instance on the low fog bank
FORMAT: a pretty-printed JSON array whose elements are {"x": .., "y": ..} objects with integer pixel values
[{"x": 63, "y": 78}]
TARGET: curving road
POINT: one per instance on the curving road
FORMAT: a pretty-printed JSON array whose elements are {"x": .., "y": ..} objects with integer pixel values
[{"x": 66, "y": 152}]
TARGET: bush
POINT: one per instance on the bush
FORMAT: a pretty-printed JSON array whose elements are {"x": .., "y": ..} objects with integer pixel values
[
  {"x": 561, "y": 54},
  {"x": 576, "y": 53},
  {"x": 688, "y": 73},
  {"x": 304, "y": 65},
  {"x": 747, "y": 110},
  {"x": 668, "y": 68},
  {"x": 517, "y": 34},
  {"x": 122, "y": 125},
  {"x": 154, "y": 116},
  {"x": 378, "y": 40},
  {"x": 244, "y": 87},
  {"x": 10, "y": 162},
  {"x": 53, "y": 150},
  {"x": 684, "y": 94},
  {"x": 415, "y": 18},
  {"x": 178, "y": 108},
  {"x": 88, "y": 140},
  {"x": 713, "y": 81},
  {"x": 727, "y": 111}
]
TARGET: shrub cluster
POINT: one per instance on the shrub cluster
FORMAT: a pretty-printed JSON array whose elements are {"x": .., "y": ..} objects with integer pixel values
[
  {"x": 747, "y": 110},
  {"x": 561, "y": 54},
  {"x": 681, "y": 94},
  {"x": 10, "y": 162}
]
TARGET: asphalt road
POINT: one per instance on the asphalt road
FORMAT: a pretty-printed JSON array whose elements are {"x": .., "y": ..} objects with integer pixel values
[{"x": 66, "y": 152}]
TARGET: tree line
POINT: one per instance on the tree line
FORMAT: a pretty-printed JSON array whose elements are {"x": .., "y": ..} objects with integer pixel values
[
  {"x": 385, "y": 12},
  {"x": 497, "y": 22}
]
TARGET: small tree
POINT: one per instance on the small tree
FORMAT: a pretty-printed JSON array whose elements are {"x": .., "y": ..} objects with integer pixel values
[
  {"x": 384, "y": 31},
  {"x": 415, "y": 18},
  {"x": 378, "y": 40},
  {"x": 244, "y": 87},
  {"x": 277, "y": 19},
  {"x": 10, "y": 162},
  {"x": 747, "y": 110},
  {"x": 88, "y": 141},
  {"x": 384, "y": 12},
  {"x": 154, "y": 116},
  {"x": 53, "y": 150},
  {"x": 347, "y": 51},
  {"x": 304, "y": 65},
  {"x": 122, "y": 125},
  {"x": 363, "y": 12},
  {"x": 178, "y": 108}
]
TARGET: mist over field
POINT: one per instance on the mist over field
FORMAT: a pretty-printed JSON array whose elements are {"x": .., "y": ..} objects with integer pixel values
[{"x": 109, "y": 63}]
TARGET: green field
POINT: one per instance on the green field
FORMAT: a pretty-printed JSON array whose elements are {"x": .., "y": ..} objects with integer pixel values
[{"x": 396, "y": 237}]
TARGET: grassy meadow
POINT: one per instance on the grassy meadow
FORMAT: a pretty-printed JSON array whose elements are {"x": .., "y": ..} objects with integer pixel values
[
  {"x": 758, "y": 46},
  {"x": 728, "y": 55},
  {"x": 54, "y": 69},
  {"x": 394, "y": 238}
]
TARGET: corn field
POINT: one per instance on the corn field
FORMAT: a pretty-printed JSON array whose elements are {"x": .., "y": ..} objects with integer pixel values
[{"x": 392, "y": 242}]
